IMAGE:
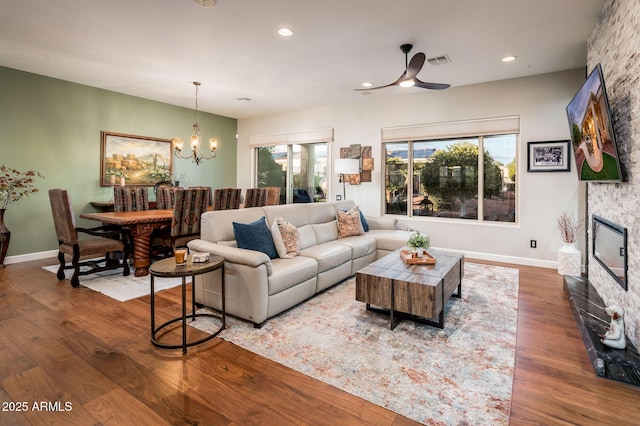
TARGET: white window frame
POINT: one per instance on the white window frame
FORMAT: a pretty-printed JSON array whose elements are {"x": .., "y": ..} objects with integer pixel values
[{"x": 479, "y": 129}]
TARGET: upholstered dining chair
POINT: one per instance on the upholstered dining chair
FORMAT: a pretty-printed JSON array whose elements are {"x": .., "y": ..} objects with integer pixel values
[
  {"x": 210, "y": 199},
  {"x": 256, "y": 197},
  {"x": 108, "y": 241},
  {"x": 189, "y": 206},
  {"x": 273, "y": 195},
  {"x": 226, "y": 198},
  {"x": 130, "y": 198},
  {"x": 165, "y": 196}
]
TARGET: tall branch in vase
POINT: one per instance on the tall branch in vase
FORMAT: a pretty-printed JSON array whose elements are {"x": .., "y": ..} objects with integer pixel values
[{"x": 14, "y": 185}]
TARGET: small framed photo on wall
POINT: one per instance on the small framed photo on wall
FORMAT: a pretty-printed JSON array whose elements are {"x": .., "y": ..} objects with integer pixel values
[{"x": 550, "y": 156}]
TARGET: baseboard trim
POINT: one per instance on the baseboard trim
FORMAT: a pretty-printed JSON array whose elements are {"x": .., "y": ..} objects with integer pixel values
[
  {"x": 31, "y": 256},
  {"x": 470, "y": 254},
  {"x": 509, "y": 259}
]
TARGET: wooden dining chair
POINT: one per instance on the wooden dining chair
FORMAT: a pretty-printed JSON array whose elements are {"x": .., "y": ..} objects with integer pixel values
[
  {"x": 226, "y": 198},
  {"x": 256, "y": 197},
  {"x": 130, "y": 198},
  {"x": 108, "y": 241}
]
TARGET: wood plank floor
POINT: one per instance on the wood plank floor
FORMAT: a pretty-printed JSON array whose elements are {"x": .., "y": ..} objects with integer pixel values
[{"x": 76, "y": 357}]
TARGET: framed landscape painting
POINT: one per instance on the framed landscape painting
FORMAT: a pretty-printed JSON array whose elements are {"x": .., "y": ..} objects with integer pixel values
[
  {"x": 552, "y": 156},
  {"x": 134, "y": 160}
]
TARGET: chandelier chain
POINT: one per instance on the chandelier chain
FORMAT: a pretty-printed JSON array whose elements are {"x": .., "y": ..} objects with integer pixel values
[{"x": 195, "y": 114}]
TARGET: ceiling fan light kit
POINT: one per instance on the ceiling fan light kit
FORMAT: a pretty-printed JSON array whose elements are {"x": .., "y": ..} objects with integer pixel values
[
  {"x": 409, "y": 76},
  {"x": 206, "y": 3}
]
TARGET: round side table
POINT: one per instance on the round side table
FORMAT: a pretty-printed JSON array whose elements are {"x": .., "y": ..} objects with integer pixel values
[{"x": 167, "y": 268}]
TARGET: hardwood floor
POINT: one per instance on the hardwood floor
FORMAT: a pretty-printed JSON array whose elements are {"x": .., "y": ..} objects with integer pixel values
[{"x": 77, "y": 357}]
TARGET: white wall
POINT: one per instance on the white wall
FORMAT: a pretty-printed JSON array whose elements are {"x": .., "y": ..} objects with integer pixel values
[{"x": 540, "y": 102}]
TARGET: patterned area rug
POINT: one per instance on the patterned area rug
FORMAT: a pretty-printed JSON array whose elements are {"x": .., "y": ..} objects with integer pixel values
[
  {"x": 114, "y": 285},
  {"x": 461, "y": 374}
]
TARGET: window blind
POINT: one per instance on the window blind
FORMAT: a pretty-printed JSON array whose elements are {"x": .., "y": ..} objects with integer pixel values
[
  {"x": 453, "y": 129},
  {"x": 311, "y": 136}
]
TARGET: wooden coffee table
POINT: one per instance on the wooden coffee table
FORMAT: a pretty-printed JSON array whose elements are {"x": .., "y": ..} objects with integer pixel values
[{"x": 416, "y": 292}]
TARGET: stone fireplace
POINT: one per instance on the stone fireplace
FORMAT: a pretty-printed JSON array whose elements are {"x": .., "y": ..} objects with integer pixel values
[{"x": 614, "y": 43}]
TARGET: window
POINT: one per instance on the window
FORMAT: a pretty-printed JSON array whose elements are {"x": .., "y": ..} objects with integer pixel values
[
  {"x": 447, "y": 177},
  {"x": 302, "y": 165}
]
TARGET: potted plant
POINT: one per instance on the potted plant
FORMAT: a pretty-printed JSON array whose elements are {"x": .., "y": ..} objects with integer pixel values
[
  {"x": 419, "y": 243},
  {"x": 14, "y": 185}
]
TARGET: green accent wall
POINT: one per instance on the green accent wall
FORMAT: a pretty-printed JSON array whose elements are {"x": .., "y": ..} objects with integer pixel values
[{"x": 53, "y": 126}]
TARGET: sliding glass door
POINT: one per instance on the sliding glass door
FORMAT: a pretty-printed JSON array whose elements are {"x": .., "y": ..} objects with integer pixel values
[{"x": 300, "y": 170}]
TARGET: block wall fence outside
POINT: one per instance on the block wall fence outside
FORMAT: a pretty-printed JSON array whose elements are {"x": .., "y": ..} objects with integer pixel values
[{"x": 615, "y": 43}]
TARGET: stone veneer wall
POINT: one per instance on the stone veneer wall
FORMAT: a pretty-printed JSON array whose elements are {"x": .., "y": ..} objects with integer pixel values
[{"x": 615, "y": 43}]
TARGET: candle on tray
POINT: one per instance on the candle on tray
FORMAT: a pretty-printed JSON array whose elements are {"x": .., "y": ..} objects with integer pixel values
[
  {"x": 121, "y": 181},
  {"x": 113, "y": 179}
]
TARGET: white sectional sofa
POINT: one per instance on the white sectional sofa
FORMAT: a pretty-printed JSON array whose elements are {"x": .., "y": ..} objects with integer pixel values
[{"x": 258, "y": 287}]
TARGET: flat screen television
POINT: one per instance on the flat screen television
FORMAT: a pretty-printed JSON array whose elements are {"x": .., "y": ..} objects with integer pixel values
[{"x": 593, "y": 140}]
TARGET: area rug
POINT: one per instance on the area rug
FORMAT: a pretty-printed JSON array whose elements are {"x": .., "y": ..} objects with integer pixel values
[
  {"x": 114, "y": 285},
  {"x": 461, "y": 374}
]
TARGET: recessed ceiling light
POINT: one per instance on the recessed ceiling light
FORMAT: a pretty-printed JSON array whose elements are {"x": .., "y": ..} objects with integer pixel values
[
  {"x": 367, "y": 84},
  {"x": 509, "y": 58},
  {"x": 285, "y": 32}
]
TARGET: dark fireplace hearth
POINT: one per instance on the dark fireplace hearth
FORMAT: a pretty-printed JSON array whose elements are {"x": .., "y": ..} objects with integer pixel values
[{"x": 588, "y": 309}]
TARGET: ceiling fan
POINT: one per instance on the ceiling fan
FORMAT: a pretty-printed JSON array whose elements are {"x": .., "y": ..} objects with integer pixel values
[{"x": 408, "y": 77}]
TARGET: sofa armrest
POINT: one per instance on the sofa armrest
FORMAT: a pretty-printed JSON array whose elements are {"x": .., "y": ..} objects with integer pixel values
[{"x": 232, "y": 254}]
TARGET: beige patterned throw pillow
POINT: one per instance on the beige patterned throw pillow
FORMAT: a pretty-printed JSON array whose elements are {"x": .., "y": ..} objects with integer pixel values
[
  {"x": 290, "y": 238},
  {"x": 349, "y": 223}
]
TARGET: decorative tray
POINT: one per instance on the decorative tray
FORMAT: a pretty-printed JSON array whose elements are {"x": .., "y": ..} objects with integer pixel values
[{"x": 426, "y": 258}]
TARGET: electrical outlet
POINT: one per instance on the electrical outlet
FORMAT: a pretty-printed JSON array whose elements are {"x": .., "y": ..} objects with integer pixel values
[
  {"x": 338, "y": 197},
  {"x": 533, "y": 244}
]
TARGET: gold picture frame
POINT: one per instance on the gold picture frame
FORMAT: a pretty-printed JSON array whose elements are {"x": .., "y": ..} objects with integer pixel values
[{"x": 139, "y": 160}]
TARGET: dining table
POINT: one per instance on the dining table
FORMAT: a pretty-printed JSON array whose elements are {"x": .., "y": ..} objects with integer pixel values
[{"x": 141, "y": 224}]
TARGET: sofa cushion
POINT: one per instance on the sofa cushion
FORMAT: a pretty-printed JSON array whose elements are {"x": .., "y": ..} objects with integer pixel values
[
  {"x": 286, "y": 238},
  {"x": 326, "y": 231},
  {"x": 361, "y": 245},
  {"x": 321, "y": 212},
  {"x": 382, "y": 222},
  {"x": 295, "y": 214},
  {"x": 307, "y": 237},
  {"x": 255, "y": 236},
  {"x": 287, "y": 273},
  {"x": 349, "y": 223},
  {"x": 216, "y": 225},
  {"x": 328, "y": 255},
  {"x": 388, "y": 239}
]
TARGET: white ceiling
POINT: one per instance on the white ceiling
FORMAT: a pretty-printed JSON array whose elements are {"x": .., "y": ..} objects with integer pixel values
[{"x": 155, "y": 48}]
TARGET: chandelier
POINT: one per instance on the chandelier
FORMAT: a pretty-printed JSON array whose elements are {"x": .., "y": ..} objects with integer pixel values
[{"x": 196, "y": 154}]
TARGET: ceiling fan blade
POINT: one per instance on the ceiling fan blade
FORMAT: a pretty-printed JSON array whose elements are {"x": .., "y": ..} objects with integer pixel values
[
  {"x": 432, "y": 86},
  {"x": 415, "y": 65},
  {"x": 395, "y": 83}
]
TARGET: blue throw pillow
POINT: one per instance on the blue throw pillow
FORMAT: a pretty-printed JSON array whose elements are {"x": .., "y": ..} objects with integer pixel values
[
  {"x": 365, "y": 225},
  {"x": 255, "y": 236}
]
